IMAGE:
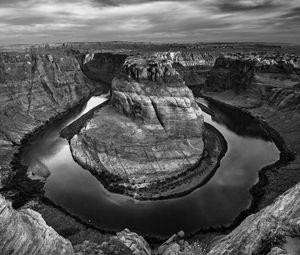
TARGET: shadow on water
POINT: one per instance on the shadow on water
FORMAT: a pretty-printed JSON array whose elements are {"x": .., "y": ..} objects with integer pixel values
[{"x": 215, "y": 204}]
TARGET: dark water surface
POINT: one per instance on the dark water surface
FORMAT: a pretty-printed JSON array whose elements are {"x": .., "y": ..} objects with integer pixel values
[{"x": 215, "y": 204}]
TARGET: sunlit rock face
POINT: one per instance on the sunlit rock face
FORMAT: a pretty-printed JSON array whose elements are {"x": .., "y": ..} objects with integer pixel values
[
  {"x": 33, "y": 89},
  {"x": 152, "y": 91},
  {"x": 25, "y": 232},
  {"x": 150, "y": 132}
]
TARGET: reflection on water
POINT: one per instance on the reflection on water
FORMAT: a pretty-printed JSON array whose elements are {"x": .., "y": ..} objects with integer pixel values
[{"x": 217, "y": 203}]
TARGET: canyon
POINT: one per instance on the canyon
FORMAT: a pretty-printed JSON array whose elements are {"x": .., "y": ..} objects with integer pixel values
[
  {"x": 37, "y": 88},
  {"x": 144, "y": 142}
]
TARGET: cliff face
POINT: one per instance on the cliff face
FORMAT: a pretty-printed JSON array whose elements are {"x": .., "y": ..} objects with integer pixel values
[
  {"x": 260, "y": 232},
  {"x": 151, "y": 132},
  {"x": 155, "y": 93},
  {"x": 33, "y": 89},
  {"x": 230, "y": 74}
]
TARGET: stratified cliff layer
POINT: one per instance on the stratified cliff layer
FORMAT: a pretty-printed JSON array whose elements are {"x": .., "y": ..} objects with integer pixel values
[
  {"x": 149, "y": 135},
  {"x": 34, "y": 89},
  {"x": 262, "y": 231}
]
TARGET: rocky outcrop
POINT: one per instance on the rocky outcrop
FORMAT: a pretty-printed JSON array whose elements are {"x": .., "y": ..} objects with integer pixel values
[
  {"x": 149, "y": 135},
  {"x": 25, "y": 232},
  {"x": 124, "y": 242},
  {"x": 34, "y": 89},
  {"x": 260, "y": 232}
]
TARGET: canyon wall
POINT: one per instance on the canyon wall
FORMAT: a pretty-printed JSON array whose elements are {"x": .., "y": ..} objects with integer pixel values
[
  {"x": 34, "y": 89},
  {"x": 230, "y": 74}
]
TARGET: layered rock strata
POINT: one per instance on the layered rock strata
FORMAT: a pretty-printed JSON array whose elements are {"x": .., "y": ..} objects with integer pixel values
[
  {"x": 149, "y": 135},
  {"x": 261, "y": 232},
  {"x": 34, "y": 89},
  {"x": 25, "y": 232},
  {"x": 279, "y": 107},
  {"x": 273, "y": 105}
]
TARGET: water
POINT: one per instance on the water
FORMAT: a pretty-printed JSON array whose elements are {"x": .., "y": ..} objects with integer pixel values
[{"x": 215, "y": 204}]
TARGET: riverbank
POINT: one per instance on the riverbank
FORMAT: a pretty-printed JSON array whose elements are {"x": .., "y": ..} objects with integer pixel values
[{"x": 284, "y": 128}]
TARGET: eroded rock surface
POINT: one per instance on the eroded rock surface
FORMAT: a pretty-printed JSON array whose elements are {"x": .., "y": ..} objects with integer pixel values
[
  {"x": 151, "y": 131},
  {"x": 34, "y": 89},
  {"x": 262, "y": 231},
  {"x": 25, "y": 232}
]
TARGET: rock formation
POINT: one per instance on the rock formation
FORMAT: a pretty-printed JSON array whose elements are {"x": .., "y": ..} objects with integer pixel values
[
  {"x": 25, "y": 232},
  {"x": 34, "y": 89},
  {"x": 230, "y": 74},
  {"x": 260, "y": 232},
  {"x": 151, "y": 132}
]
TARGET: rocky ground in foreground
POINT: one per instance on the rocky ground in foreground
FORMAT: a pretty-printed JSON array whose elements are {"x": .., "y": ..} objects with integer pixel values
[{"x": 43, "y": 82}]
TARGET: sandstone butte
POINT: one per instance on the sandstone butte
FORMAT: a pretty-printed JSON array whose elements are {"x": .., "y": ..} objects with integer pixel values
[{"x": 151, "y": 132}]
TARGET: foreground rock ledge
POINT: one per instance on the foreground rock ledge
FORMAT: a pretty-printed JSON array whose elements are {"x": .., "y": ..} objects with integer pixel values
[
  {"x": 150, "y": 134},
  {"x": 25, "y": 232}
]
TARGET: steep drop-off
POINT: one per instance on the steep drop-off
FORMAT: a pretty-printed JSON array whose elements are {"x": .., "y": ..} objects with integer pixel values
[{"x": 34, "y": 89}]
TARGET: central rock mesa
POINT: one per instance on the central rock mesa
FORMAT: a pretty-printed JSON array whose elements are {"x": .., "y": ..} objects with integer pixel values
[{"x": 148, "y": 136}]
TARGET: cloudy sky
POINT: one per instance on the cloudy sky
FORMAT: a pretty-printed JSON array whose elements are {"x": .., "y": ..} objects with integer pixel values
[{"x": 38, "y": 21}]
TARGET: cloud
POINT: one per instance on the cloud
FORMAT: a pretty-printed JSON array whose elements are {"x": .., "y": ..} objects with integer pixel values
[
  {"x": 38, "y": 21},
  {"x": 132, "y": 2},
  {"x": 293, "y": 14},
  {"x": 247, "y": 5}
]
